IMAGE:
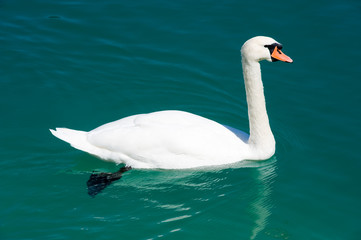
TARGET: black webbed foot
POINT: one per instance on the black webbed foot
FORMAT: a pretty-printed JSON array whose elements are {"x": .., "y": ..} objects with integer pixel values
[{"x": 98, "y": 181}]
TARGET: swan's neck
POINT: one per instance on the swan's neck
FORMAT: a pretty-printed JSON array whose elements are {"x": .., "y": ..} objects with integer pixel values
[{"x": 261, "y": 139}]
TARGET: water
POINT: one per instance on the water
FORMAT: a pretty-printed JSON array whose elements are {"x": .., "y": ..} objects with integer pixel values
[{"x": 80, "y": 64}]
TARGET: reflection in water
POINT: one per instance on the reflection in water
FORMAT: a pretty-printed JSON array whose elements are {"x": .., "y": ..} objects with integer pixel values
[
  {"x": 190, "y": 201},
  {"x": 261, "y": 206}
]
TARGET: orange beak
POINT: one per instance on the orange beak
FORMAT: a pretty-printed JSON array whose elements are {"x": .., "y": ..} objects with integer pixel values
[{"x": 277, "y": 54}]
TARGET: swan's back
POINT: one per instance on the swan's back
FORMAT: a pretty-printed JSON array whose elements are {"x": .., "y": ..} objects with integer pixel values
[{"x": 169, "y": 139}]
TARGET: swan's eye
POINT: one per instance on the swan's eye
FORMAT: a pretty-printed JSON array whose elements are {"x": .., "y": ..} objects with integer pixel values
[
  {"x": 271, "y": 49},
  {"x": 272, "y": 46}
]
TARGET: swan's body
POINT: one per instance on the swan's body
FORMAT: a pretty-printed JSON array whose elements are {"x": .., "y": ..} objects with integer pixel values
[{"x": 177, "y": 139}]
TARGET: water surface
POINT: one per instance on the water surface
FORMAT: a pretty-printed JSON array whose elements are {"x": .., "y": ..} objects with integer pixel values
[{"x": 80, "y": 64}]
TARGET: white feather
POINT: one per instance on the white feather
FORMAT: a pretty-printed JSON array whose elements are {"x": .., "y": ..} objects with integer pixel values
[{"x": 177, "y": 139}]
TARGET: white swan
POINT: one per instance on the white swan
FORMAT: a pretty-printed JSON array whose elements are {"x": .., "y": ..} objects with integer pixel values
[{"x": 179, "y": 140}]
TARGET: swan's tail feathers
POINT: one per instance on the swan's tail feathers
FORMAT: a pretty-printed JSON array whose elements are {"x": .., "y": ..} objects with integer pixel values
[{"x": 77, "y": 139}]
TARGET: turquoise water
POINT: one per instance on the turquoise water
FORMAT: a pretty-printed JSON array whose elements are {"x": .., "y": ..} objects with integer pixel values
[{"x": 80, "y": 64}]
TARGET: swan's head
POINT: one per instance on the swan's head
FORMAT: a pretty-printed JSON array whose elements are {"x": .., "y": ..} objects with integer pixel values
[{"x": 263, "y": 48}]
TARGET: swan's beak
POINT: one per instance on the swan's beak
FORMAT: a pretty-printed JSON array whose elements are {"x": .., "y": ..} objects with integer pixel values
[{"x": 277, "y": 54}]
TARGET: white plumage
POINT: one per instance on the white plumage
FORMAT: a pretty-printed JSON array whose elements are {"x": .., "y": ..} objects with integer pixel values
[{"x": 177, "y": 139}]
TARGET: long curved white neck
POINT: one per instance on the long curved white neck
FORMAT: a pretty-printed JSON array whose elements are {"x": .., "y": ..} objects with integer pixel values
[{"x": 261, "y": 139}]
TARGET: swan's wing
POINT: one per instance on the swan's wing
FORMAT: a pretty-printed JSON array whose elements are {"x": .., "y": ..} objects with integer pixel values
[{"x": 168, "y": 137}]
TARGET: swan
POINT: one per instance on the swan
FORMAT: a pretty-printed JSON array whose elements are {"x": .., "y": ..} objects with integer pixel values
[{"x": 173, "y": 139}]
